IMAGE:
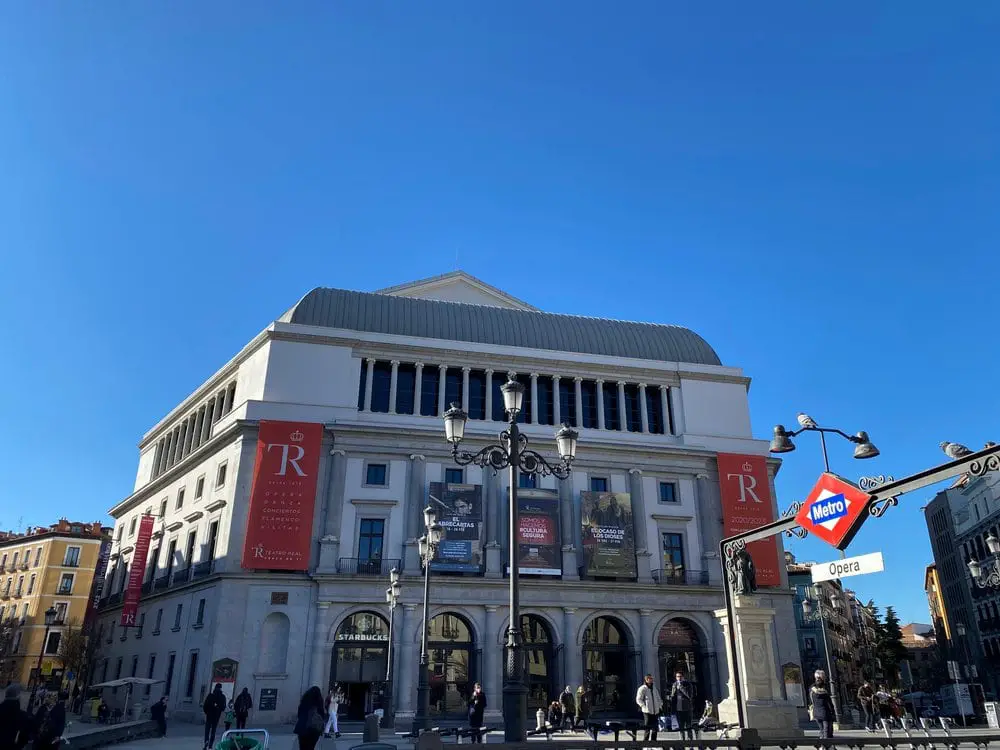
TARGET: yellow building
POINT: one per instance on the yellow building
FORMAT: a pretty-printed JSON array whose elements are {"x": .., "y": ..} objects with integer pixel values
[{"x": 45, "y": 568}]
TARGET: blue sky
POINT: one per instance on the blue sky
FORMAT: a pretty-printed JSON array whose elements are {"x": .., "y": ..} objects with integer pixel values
[{"x": 812, "y": 188}]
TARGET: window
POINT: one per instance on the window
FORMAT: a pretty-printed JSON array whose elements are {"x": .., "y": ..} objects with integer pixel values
[
  {"x": 61, "y": 611},
  {"x": 633, "y": 408},
  {"x": 220, "y": 476},
  {"x": 131, "y": 527},
  {"x": 428, "y": 392},
  {"x": 72, "y": 557},
  {"x": 163, "y": 509},
  {"x": 654, "y": 410},
  {"x": 525, "y": 414},
  {"x": 66, "y": 583},
  {"x": 527, "y": 481},
  {"x": 171, "y": 549},
  {"x": 177, "y": 617},
  {"x": 370, "y": 539},
  {"x": 567, "y": 401},
  {"x": 668, "y": 492},
  {"x": 180, "y": 499},
  {"x": 588, "y": 396},
  {"x": 376, "y": 475},
  {"x": 192, "y": 673},
  {"x": 16, "y": 555},
  {"x": 200, "y": 619},
  {"x": 111, "y": 632},
  {"x": 381, "y": 380},
  {"x": 598, "y": 484},
  {"x": 406, "y": 381},
  {"x": 169, "y": 681},
  {"x": 24, "y": 613},
  {"x": 38, "y": 556},
  {"x": 118, "y": 533},
  {"x": 141, "y": 625},
  {"x": 673, "y": 556},
  {"x": 20, "y": 586},
  {"x": 149, "y": 672},
  {"x": 361, "y": 384},
  {"x": 213, "y": 535},
  {"x": 199, "y": 488},
  {"x": 477, "y": 395},
  {"x": 104, "y": 672},
  {"x": 810, "y": 644},
  {"x": 159, "y": 620},
  {"x": 52, "y": 644},
  {"x": 3, "y": 561},
  {"x": 31, "y": 584},
  {"x": 452, "y": 388},
  {"x": 154, "y": 559},
  {"x": 454, "y": 476},
  {"x": 499, "y": 414},
  {"x": 135, "y": 665},
  {"x": 546, "y": 415},
  {"x": 189, "y": 553}
]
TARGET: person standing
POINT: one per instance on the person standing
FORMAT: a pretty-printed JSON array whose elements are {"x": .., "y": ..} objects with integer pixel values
[
  {"x": 682, "y": 701},
  {"x": 312, "y": 717},
  {"x": 582, "y": 707},
  {"x": 866, "y": 699},
  {"x": 477, "y": 707},
  {"x": 213, "y": 707},
  {"x": 53, "y": 725},
  {"x": 242, "y": 707},
  {"x": 822, "y": 705},
  {"x": 15, "y": 723},
  {"x": 333, "y": 700},
  {"x": 567, "y": 702},
  {"x": 158, "y": 713},
  {"x": 647, "y": 697}
]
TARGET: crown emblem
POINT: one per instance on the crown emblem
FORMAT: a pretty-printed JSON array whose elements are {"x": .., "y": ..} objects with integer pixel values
[
  {"x": 297, "y": 437},
  {"x": 747, "y": 466}
]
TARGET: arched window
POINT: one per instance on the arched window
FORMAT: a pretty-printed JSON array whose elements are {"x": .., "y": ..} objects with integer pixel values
[
  {"x": 607, "y": 666},
  {"x": 360, "y": 655},
  {"x": 679, "y": 650},
  {"x": 452, "y": 668},
  {"x": 274, "y": 634},
  {"x": 541, "y": 673}
]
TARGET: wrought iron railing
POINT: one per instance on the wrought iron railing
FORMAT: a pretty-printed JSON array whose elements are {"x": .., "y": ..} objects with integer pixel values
[
  {"x": 681, "y": 578},
  {"x": 358, "y": 567},
  {"x": 203, "y": 569},
  {"x": 114, "y": 599},
  {"x": 181, "y": 576}
]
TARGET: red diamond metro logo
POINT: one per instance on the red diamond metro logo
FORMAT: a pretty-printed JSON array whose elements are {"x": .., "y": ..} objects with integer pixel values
[{"x": 834, "y": 510}]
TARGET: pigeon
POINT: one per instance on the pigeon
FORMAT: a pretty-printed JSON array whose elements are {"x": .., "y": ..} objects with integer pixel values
[
  {"x": 954, "y": 450},
  {"x": 806, "y": 421}
]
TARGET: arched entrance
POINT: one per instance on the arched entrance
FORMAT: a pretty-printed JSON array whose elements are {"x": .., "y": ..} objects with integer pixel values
[
  {"x": 679, "y": 649},
  {"x": 541, "y": 672},
  {"x": 607, "y": 665},
  {"x": 360, "y": 651},
  {"x": 452, "y": 667}
]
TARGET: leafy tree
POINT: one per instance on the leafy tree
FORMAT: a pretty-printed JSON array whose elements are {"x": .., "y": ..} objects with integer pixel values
[
  {"x": 8, "y": 631},
  {"x": 76, "y": 650},
  {"x": 889, "y": 648}
]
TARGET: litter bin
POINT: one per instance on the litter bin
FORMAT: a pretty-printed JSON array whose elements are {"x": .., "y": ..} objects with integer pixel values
[{"x": 371, "y": 728}]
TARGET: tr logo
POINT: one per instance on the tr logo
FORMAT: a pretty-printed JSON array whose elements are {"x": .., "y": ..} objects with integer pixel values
[
  {"x": 748, "y": 484},
  {"x": 286, "y": 460}
]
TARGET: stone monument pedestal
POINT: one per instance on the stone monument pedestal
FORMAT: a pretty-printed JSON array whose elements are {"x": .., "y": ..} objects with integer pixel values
[{"x": 765, "y": 708}]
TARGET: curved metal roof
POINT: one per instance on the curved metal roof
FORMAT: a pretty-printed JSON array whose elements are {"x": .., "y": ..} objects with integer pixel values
[{"x": 453, "y": 321}]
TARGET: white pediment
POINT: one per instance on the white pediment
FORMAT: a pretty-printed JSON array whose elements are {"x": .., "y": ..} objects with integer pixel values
[{"x": 458, "y": 286}]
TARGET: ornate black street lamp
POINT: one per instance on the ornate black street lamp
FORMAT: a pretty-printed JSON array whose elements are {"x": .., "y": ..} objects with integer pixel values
[
  {"x": 782, "y": 441},
  {"x": 988, "y": 577},
  {"x": 428, "y": 545},
  {"x": 512, "y": 453},
  {"x": 392, "y": 599}
]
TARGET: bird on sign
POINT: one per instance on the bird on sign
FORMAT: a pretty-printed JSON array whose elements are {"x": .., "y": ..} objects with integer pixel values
[
  {"x": 954, "y": 450},
  {"x": 806, "y": 421}
]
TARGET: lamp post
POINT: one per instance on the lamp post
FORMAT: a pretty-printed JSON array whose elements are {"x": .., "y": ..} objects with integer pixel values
[
  {"x": 782, "y": 441},
  {"x": 428, "y": 545},
  {"x": 50, "y": 617},
  {"x": 392, "y": 599},
  {"x": 820, "y": 616},
  {"x": 512, "y": 453}
]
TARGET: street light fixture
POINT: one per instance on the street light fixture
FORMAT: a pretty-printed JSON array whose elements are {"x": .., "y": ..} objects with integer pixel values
[
  {"x": 512, "y": 453},
  {"x": 392, "y": 595},
  {"x": 815, "y": 613},
  {"x": 782, "y": 440},
  {"x": 427, "y": 545},
  {"x": 988, "y": 577},
  {"x": 50, "y": 619}
]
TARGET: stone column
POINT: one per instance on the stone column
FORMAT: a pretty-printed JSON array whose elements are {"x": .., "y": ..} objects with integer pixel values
[
  {"x": 600, "y": 404},
  {"x": 393, "y": 380},
  {"x": 649, "y": 665},
  {"x": 399, "y": 630},
  {"x": 572, "y": 667},
  {"x": 369, "y": 380},
  {"x": 665, "y": 409},
  {"x": 491, "y": 498},
  {"x": 465, "y": 388},
  {"x": 406, "y": 662},
  {"x": 329, "y": 543},
  {"x": 206, "y": 429},
  {"x": 320, "y": 658},
  {"x": 492, "y": 677},
  {"x": 413, "y": 512},
  {"x": 643, "y": 409},
  {"x": 442, "y": 383},
  {"x": 568, "y": 530},
  {"x": 534, "y": 398},
  {"x": 677, "y": 410},
  {"x": 489, "y": 395},
  {"x": 709, "y": 511},
  {"x": 622, "y": 417},
  {"x": 418, "y": 386},
  {"x": 640, "y": 520},
  {"x": 578, "y": 397},
  {"x": 556, "y": 408}
]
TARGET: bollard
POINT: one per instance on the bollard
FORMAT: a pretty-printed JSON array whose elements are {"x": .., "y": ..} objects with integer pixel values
[
  {"x": 371, "y": 729},
  {"x": 539, "y": 719}
]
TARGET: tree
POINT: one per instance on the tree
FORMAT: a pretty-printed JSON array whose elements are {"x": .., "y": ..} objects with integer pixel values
[
  {"x": 76, "y": 650},
  {"x": 889, "y": 648},
  {"x": 8, "y": 633}
]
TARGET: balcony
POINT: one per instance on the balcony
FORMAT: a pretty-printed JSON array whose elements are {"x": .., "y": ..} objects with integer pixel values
[
  {"x": 5, "y": 595},
  {"x": 681, "y": 578},
  {"x": 147, "y": 587},
  {"x": 24, "y": 565},
  {"x": 203, "y": 569},
  {"x": 161, "y": 583},
  {"x": 182, "y": 576},
  {"x": 71, "y": 563},
  {"x": 353, "y": 566},
  {"x": 115, "y": 599}
]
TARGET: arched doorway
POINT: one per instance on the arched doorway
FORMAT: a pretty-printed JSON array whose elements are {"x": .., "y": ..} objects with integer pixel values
[
  {"x": 452, "y": 667},
  {"x": 679, "y": 649},
  {"x": 360, "y": 651},
  {"x": 607, "y": 665},
  {"x": 541, "y": 672}
]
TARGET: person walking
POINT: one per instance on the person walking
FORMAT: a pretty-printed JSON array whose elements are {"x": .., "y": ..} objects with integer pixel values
[
  {"x": 582, "y": 707},
  {"x": 16, "y": 726},
  {"x": 822, "y": 705},
  {"x": 312, "y": 718},
  {"x": 333, "y": 700},
  {"x": 682, "y": 702},
  {"x": 53, "y": 725},
  {"x": 158, "y": 713},
  {"x": 866, "y": 699},
  {"x": 477, "y": 707},
  {"x": 883, "y": 704},
  {"x": 647, "y": 697},
  {"x": 242, "y": 707},
  {"x": 567, "y": 701},
  {"x": 213, "y": 707}
]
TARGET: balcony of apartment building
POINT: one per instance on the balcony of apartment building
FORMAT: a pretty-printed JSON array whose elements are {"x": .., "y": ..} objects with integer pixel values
[
  {"x": 376, "y": 567},
  {"x": 157, "y": 584},
  {"x": 673, "y": 577}
]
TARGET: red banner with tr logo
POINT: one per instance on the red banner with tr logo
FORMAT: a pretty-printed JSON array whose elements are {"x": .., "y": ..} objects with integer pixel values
[
  {"x": 133, "y": 590},
  {"x": 746, "y": 505}
]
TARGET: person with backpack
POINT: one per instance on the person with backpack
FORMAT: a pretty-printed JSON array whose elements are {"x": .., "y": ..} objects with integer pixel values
[
  {"x": 242, "y": 707},
  {"x": 213, "y": 707},
  {"x": 311, "y": 718}
]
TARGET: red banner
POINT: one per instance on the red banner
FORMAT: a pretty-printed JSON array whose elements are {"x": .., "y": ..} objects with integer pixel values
[
  {"x": 747, "y": 504},
  {"x": 283, "y": 496},
  {"x": 130, "y": 604}
]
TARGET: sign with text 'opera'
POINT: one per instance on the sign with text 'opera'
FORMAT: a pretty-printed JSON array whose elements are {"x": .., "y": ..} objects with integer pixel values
[
  {"x": 746, "y": 505},
  {"x": 283, "y": 496}
]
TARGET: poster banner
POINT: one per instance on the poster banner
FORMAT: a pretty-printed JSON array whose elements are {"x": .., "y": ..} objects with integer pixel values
[
  {"x": 97, "y": 587},
  {"x": 608, "y": 534},
  {"x": 747, "y": 504},
  {"x": 133, "y": 589},
  {"x": 283, "y": 496},
  {"x": 539, "y": 549},
  {"x": 460, "y": 514}
]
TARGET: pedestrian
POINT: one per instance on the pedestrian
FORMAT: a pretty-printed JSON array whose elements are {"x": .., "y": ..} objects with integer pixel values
[
  {"x": 567, "y": 701},
  {"x": 554, "y": 719},
  {"x": 333, "y": 700},
  {"x": 230, "y": 717},
  {"x": 16, "y": 726},
  {"x": 866, "y": 699},
  {"x": 582, "y": 706},
  {"x": 242, "y": 707},
  {"x": 682, "y": 702},
  {"x": 883, "y": 704},
  {"x": 213, "y": 707},
  {"x": 158, "y": 712},
  {"x": 822, "y": 705},
  {"x": 311, "y": 718},
  {"x": 76, "y": 699},
  {"x": 647, "y": 697},
  {"x": 50, "y": 730},
  {"x": 477, "y": 706}
]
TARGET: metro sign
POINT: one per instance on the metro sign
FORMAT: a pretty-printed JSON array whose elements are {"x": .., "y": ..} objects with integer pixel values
[{"x": 834, "y": 510}]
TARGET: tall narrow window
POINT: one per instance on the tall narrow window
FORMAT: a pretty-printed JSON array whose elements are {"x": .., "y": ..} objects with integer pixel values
[
  {"x": 673, "y": 557},
  {"x": 189, "y": 552},
  {"x": 180, "y": 499},
  {"x": 588, "y": 394},
  {"x": 633, "y": 408},
  {"x": 654, "y": 410},
  {"x": 545, "y": 404},
  {"x": 612, "y": 419},
  {"x": 135, "y": 665},
  {"x": 598, "y": 484},
  {"x": 525, "y": 413},
  {"x": 380, "y": 387},
  {"x": 453, "y": 387},
  {"x": 370, "y": 539},
  {"x": 199, "y": 489},
  {"x": 498, "y": 410},
  {"x": 361, "y": 384},
  {"x": 72, "y": 557},
  {"x": 150, "y": 670},
  {"x": 213, "y": 535},
  {"x": 192, "y": 674},
  {"x": 454, "y": 476},
  {"x": 406, "y": 381},
  {"x": 477, "y": 395},
  {"x": 169, "y": 681},
  {"x": 567, "y": 401},
  {"x": 429, "y": 391},
  {"x": 177, "y": 617}
]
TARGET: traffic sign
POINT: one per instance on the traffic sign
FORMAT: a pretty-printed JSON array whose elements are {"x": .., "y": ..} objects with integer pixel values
[
  {"x": 834, "y": 510},
  {"x": 849, "y": 566}
]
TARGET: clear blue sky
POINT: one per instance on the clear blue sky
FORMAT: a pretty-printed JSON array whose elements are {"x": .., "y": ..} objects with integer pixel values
[{"x": 813, "y": 189}]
